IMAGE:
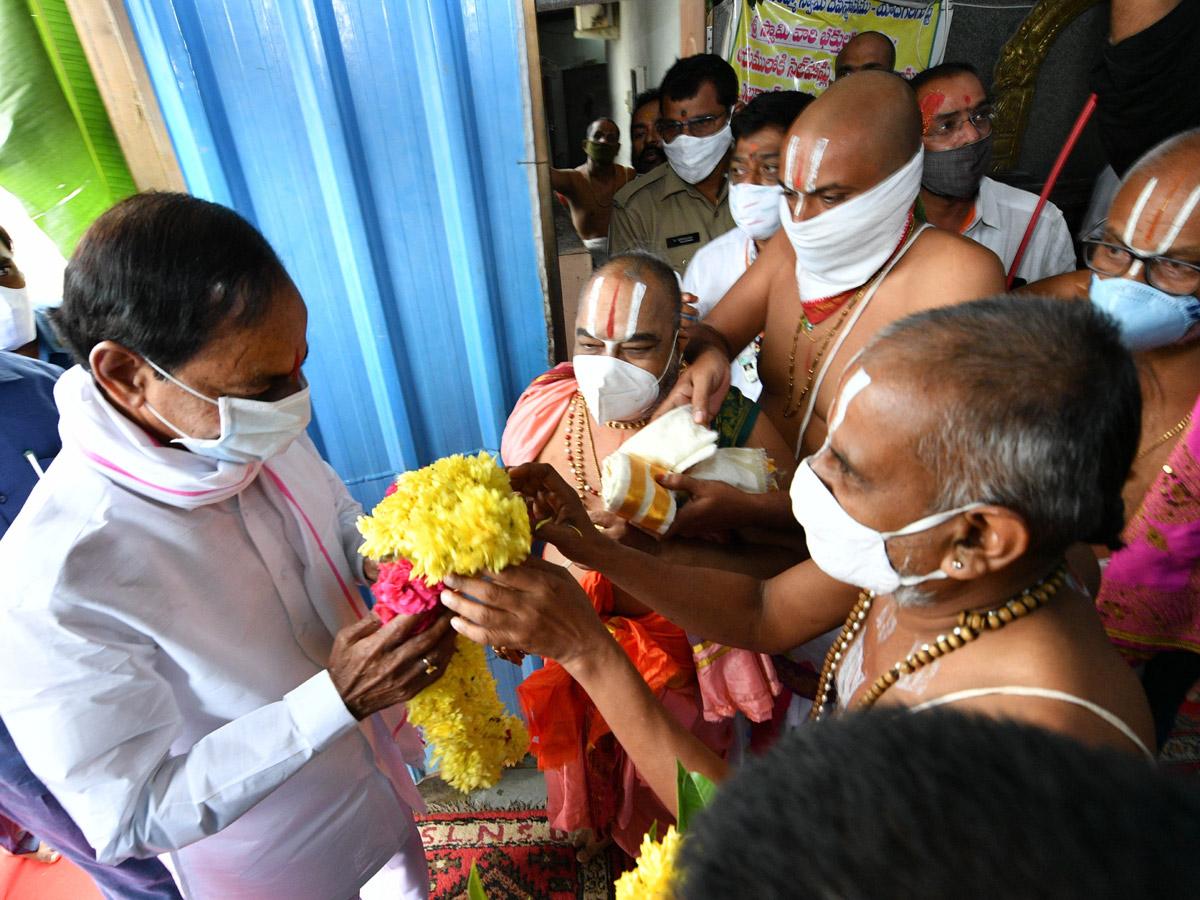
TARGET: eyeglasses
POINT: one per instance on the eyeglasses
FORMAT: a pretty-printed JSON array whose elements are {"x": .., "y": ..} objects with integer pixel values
[
  {"x": 981, "y": 120},
  {"x": 1171, "y": 275},
  {"x": 701, "y": 126}
]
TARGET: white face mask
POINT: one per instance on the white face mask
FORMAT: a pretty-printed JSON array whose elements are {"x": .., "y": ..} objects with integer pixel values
[
  {"x": 844, "y": 246},
  {"x": 844, "y": 548},
  {"x": 694, "y": 158},
  {"x": 17, "y": 325},
  {"x": 616, "y": 390},
  {"x": 755, "y": 208},
  {"x": 251, "y": 430}
]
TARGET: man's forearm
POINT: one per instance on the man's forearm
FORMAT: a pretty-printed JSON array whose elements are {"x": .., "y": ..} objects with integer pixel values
[
  {"x": 651, "y": 736},
  {"x": 702, "y": 337},
  {"x": 721, "y": 606}
]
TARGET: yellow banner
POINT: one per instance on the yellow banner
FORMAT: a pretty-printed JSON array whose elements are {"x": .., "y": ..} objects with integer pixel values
[{"x": 791, "y": 44}]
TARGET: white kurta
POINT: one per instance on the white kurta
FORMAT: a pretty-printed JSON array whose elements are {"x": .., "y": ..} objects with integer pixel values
[
  {"x": 999, "y": 221},
  {"x": 713, "y": 271},
  {"x": 162, "y": 663}
]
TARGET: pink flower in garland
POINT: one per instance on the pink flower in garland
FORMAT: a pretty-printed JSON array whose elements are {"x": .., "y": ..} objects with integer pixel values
[{"x": 398, "y": 593}]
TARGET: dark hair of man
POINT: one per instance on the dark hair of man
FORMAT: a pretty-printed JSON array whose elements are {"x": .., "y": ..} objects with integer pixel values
[
  {"x": 5, "y": 240},
  {"x": 683, "y": 80},
  {"x": 1033, "y": 405},
  {"x": 770, "y": 108},
  {"x": 654, "y": 272},
  {"x": 895, "y": 805},
  {"x": 160, "y": 274},
  {"x": 943, "y": 70},
  {"x": 651, "y": 96}
]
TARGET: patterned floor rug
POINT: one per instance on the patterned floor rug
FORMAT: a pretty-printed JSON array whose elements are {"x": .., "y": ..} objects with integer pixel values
[{"x": 519, "y": 857}]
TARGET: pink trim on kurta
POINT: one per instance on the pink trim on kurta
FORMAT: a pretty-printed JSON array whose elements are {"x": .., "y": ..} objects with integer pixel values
[{"x": 346, "y": 592}]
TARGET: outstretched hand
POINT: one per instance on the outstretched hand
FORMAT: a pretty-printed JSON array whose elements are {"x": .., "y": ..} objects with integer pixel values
[
  {"x": 555, "y": 510},
  {"x": 703, "y": 384},
  {"x": 712, "y": 506},
  {"x": 536, "y": 607}
]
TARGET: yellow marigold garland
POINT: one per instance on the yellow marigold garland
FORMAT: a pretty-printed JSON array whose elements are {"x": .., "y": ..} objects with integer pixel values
[
  {"x": 472, "y": 734},
  {"x": 657, "y": 873},
  {"x": 457, "y": 516}
]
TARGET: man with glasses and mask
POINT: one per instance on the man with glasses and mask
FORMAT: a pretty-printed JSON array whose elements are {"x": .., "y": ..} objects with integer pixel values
[
  {"x": 184, "y": 661},
  {"x": 680, "y": 207},
  {"x": 1145, "y": 273},
  {"x": 590, "y": 186},
  {"x": 956, "y": 118}
]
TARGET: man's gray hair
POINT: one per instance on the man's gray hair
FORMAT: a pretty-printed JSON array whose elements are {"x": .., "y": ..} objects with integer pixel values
[{"x": 1038, "y": 410}]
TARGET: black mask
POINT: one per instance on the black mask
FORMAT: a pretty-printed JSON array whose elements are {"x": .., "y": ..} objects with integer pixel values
[{"x": 957, "y": 172}]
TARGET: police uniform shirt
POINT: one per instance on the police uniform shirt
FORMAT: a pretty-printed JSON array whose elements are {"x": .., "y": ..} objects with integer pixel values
[{"x": 662, "y": 213}]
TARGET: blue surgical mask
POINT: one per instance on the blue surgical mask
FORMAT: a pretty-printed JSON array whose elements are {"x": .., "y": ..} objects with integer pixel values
[{"x": 1148, "y": 317}]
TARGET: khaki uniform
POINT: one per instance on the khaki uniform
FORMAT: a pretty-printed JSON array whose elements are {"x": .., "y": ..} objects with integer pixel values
[{"x": 662, "y": 213}]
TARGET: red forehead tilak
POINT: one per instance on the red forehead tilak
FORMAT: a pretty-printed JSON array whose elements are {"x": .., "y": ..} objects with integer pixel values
[
  {"x": 930, "y": 104},
  {"x": 612, "y": 312},
  {"x": 1162, "y": 207}
]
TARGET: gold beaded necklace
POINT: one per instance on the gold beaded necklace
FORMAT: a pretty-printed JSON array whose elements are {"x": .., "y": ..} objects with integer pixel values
[
  {"x": 574, "y": 434},
  {"x": 970, "y": 626},
  {"x": 578, "y": 409},
  {"x": 1170, "y": 433}
]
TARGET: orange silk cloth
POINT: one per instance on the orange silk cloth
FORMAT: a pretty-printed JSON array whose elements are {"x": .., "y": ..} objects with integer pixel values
[{"x": 560, "y": 713}]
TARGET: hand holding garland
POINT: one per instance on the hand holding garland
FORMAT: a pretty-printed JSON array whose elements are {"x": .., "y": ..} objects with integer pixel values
[
  {"x": 374, "y": 666},
  {"x": 540, "y": 608}
]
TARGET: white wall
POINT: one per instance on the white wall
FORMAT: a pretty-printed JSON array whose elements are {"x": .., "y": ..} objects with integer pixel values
[{"x": 650, "y": 38}]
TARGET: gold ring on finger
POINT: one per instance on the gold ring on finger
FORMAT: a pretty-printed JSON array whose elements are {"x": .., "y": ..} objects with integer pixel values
[{"x": 430, "y": 668}]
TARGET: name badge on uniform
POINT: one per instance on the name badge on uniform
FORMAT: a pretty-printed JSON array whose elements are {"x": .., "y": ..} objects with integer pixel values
[{"x": 682, "y": 240}]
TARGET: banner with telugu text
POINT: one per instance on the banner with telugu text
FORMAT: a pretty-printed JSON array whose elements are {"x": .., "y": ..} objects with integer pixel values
[{"x": 791, "y": 44}]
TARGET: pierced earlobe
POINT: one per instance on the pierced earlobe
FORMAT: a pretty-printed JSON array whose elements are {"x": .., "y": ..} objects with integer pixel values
[{"x": 958, "y": 564}]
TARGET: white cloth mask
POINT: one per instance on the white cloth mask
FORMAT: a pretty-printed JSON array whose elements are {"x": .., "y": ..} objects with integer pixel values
[
  {"x": 755, "y": 208},
  {"x": 616, "y": 390},
  {"x": 251, "y": 430},
  {"x": 1148, "y": 317},
  {"x": 17, "y": 326},
  {"x": 844, "y": 548},
  {"x": 843, "y": 247},
  {"x": 694, "y": 158}
]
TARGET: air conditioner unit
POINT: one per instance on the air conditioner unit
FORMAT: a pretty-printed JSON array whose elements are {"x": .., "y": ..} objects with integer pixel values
[{"x": 597, "y": 21}]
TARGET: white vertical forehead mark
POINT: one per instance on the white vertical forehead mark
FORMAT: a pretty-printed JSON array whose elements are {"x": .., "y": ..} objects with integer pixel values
[
  {"x": 814, "y": 164},
  {"x": 1181, "y": 218},
  {"x": 854, "y": 385},
  {"x": 790, "y": 175},
  {"x": 635, "y": 308},
  {"x": 593, "y": 300},
  {"x": 1134, "y": 216}
]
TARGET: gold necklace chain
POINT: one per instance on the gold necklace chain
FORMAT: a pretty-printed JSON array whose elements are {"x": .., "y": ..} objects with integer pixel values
[
  {"x": 789, "y": 410},
  {"x": 970, "y": 626},
  {"x": 1166, "y": 436},
  {"x": 576, "y": 460},
  {"x": 804, "y": 326}
]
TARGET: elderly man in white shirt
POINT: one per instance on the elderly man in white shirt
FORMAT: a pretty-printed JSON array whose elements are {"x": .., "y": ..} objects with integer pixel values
[
  {"x": 957, "y": 124},
  {"x": 754, "y": 192},
  {"x": 184, "y": 659}
]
